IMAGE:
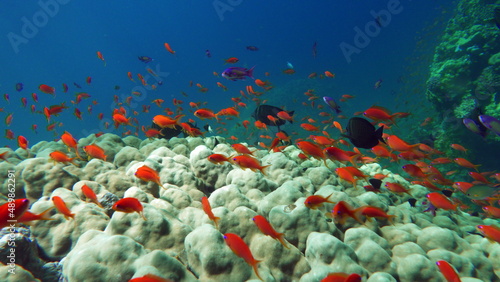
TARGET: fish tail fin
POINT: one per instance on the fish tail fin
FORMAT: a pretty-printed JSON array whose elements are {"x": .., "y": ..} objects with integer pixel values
[
  {"x": 390, "y": 218},
  {"x": 256, "y": 268},
  {"x": 44, "y": 215},
  {"x": 262, "y": 169},
  {"x": 216, "y": 222},
  {"x": 250, "y": 72},
  {"x": 282, "y": 240},
  {"x": 356, "y": 215}
]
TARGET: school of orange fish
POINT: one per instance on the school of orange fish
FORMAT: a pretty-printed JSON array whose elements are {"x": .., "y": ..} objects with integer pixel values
[{"x": 421, "y": 161}]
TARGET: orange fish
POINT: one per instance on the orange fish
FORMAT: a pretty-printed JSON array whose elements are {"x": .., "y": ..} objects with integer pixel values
[
  {"x": 491, "y": 232},
  {"x": 396, "y": 188},
  {"x": 90, "y": 194},
  {"x": 165, "y": 121},
  {"x": 245, "y": 162},
  {"x": 208, "y": 210},
  {"x": 465, "y": 163},
  {"x": 8, "y": 119},
  {"x": 61, "y": 157},
  {"x": 145, "y": 173},
  {"x": 397, "y": 144},
  {"x": 12, "y": 210},
  {"x": 241, "y": 249},
  {"x": 218, "y": 158},
  {"x": 346, "y": 175},
  {"x": 370, "y": 211},
  {"x": 22, "y": 142},
  {"x": 377, "y": 113},
  {"x": 205, "y": 113},
  {"x": 285, "y": 116},
  {"x": 440, "y": 201},
  {"x": 28, "y": 216},
  {"x": 169, "y": 49},
  {"x": 448, "y": 271},
  {"x": 342, "y": 211},
  {"x": 47, "y": 89},
  {"x": 459, "y": 147},
  {"x": 242, "y": 149},
  {"x": 94, "y": 151},
  {"x": 99, "y": 55},
  {"x": 316, "y": 201},
  {"x": 231, "y": 60},
  {"x": 266, "y": 228},
  {"x": 312, "y": 150},
  {"x": 71, "y": 142},
  {"x": 150, "y": 278},
  {"x": 309, "y": 127},
  {"x": 129, "y": 205},
  {"x": 342, "y": 277},
  {"x": 121, "y": 119},
  {"x": 129, "y": 74},
  {"x": 329, "y": 74},
  {"x": 62, "y": 208}
]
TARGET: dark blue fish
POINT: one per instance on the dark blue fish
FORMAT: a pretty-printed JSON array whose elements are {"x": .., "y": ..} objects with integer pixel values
[
  {"x": 362, "y": 133},
  {"x": 475, "y": 127},
  {"x": 145, "y": 59},
  {"x": 491, "y": 123},
  {"x": 76, "y": 85},
  {"x": 237, "y": 73},
  {"x": 19, "y": 87},
  {"x": 252, "y": 48},
  {"x": 314, "y": 50},
  {"x": 332, "y": 104},
  {"x": 207, "y": 53}
]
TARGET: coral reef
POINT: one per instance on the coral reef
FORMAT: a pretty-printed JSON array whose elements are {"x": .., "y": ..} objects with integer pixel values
[{"x": 178, "y": 241}]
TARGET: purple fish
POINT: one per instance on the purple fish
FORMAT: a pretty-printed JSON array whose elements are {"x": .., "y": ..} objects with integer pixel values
[
  {"x": 19, "y": 87},
  {"x": 491, "y": 123},
  {"x": 475, "y": 127},
  {"x": 332, "y": 104},
  {"x": 237, "y": 73}
]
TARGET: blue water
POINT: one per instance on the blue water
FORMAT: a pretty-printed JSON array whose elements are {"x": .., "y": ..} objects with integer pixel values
[{"x": 62, "y": 49}]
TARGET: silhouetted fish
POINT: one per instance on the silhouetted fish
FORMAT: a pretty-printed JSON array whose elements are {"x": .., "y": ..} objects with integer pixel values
[
  {"x": 376, "y": 183},
  {"x": 167, "y": 133},
  {"x": 362, "y": 133},
  {"x": 262, "y": 111},
  {"x": 412, "y": 202}
]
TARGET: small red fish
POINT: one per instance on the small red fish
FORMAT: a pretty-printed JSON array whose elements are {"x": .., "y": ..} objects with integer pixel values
[
  {"x": 440, "y": 201},
  {"x": 94, "y": 151},
  {"x": 241, "y": 249},
  {"x": 47, "y": 89},
  {"x": 245, "y": 162},
  {"x": 342, "y": 211},
  {"x": 208, "y": 210},
  {"x": 218, "y": 158},
  {"x": 90, "y": 194},
  {"x": 12, "y": 210},
  {"x": 62, "y": 207},
  {"x": 266, "y": 228},
  {"x": 448, "y": 271},
  {"x": 129, "y": 205},
  {"x": 316, "y": 201},
  {"x": 148, "y": 174}
]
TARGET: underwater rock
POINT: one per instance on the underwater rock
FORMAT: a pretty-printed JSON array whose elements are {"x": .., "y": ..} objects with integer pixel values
[{"x": 101, "y": 257}]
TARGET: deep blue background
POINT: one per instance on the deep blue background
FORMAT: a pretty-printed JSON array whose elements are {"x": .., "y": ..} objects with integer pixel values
[{"x": 64, "y": 51}]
